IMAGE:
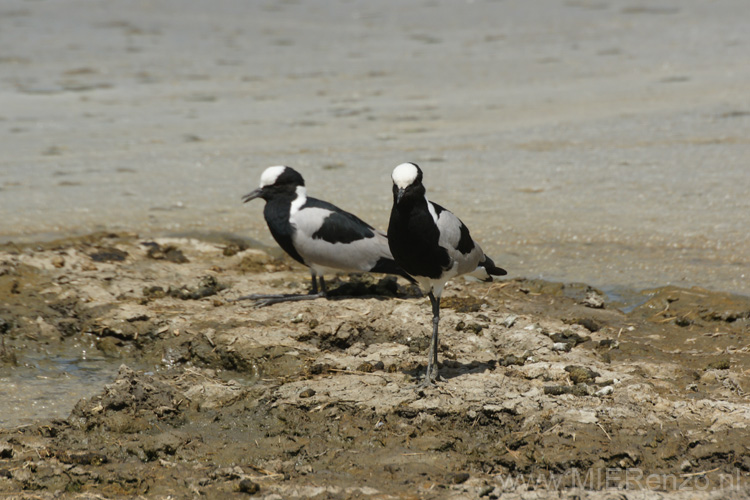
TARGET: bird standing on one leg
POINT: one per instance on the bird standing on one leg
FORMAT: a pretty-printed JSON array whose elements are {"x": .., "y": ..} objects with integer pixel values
[
  {"x": 432, "y": 245},
  {"x": 317, "y": 234}
]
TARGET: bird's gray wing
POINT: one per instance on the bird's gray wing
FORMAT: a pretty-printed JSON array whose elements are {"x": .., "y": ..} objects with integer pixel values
[
  {"x": 344, "y": 246},
  {"x": 465, "y": 253}
]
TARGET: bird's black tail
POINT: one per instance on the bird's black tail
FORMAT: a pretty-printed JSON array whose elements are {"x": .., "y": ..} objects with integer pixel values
[
  {"x": 389, "y": 266},
  {"x": 491, "y": 268},
  {"x": 487, "y": 269}
]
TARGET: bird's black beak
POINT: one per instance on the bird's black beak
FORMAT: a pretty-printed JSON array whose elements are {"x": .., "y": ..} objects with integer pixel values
[
  {"x": 252, "y": 195},
  {"x": 399, "y": 194}
]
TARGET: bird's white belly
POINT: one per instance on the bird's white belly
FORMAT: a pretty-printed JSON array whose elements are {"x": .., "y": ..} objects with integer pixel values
[{"x": 320, "y": 255}]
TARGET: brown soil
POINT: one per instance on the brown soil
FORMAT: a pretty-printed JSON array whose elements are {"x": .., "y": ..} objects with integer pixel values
[{"x": 548, "y": 390}]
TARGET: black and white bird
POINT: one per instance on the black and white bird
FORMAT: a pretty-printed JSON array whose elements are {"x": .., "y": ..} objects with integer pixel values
[
  {"x": 318, "y": 234},
  {"x": 432, "y": 245}
]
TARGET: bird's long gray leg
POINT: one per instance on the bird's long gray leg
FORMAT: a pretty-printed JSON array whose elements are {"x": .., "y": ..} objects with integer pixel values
[{"x": 432, "y": 357}]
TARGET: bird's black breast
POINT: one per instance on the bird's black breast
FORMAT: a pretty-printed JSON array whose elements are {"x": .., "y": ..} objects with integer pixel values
[
  {"x": 276, "y": 214},
  {"x": 413, "y": 240},
  {"x": 339, "y": 226}
]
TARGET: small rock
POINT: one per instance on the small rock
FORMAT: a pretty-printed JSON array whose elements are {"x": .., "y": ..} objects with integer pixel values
[
  {"x": 511, "y": 359},
  {"x": 306, "y": 393},
  {"x": 109, "y": 254},
  {"x": 722, "y": 364},
  {"x": 471, "y": 327},
  {"x": 510, "y": 320},
  {"x": 459, "y": 477},
  {"x": 559, "y": 390},
  {"x": 169, "y": 253},
  {"x": 366, "y": 367},
  {"x": 683, "y": 321},
  {"x": 605, "y": 391},
  {"x": 580, "y": 374},
  {"x": 154, "y": 292},
  {"x": 568, "y": 337},
  {"x": 58, "y": 261},
  {"x": 6, "y": 450},
  {"x": 562, "y": 346},
  {"x": 589, "y": 324},
  {"x": 609, "y": 343},
  {"x": 594, "y": 300},
  {"x": 207, "y": 286},
  {"x": 249, "y": 487},
  {"x": 686, "y": 465},
  {"x": 233, "y": 249}
]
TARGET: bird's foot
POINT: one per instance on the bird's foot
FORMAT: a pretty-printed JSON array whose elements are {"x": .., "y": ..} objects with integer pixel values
[
  {"x": 262, "y": 300},
  {"x": 430, "y": 379}
]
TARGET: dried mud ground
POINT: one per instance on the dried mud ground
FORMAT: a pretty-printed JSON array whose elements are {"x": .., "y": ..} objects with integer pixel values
[{"x": 549, "y": 390}]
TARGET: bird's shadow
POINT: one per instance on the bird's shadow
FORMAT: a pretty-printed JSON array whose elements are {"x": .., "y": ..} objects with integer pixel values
[
  {"x": 366, "y": 287},
  {"x": 450, "y": 369}
]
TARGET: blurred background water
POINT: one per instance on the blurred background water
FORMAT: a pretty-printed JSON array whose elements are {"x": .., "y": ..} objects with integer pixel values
[{"x": 597, "y": 141}]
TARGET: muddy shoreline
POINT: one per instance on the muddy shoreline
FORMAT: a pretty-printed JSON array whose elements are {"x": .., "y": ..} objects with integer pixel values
[{"x": 548, "y": 386}]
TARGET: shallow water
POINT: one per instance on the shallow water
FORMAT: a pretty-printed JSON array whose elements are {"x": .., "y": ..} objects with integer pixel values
[{"x": 48, "y": 385}]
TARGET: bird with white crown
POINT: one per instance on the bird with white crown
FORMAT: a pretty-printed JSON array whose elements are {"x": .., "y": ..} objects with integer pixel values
[
  {"x": 317, "y": 234},
  {"x": 432, "y": 245}
]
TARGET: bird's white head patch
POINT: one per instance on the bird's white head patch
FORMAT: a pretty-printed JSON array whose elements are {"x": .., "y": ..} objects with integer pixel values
[
  {"x": 405, "y": 175},
  {"x": 269, "y": 175}
]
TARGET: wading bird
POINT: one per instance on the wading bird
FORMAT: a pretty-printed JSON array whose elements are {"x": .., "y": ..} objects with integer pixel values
[
  {"x": 317, "y": 234},
  {"x": 432, "y": 245}
]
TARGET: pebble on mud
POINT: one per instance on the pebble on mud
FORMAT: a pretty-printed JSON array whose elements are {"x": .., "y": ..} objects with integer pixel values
[
  {"x": 471, "y": 327},
  {"x": 249, "y": 487},
  {"x": 605, "y": 391},
  {"x": 233, "y": 249},
  {"x": 594, "y": 300},
  {"x": 722, "y": 364},
  {"x": 512, "y": 359},
  {"x": 568, "y": 337},
  {"x": 510, "y": 320},
  {"x": 368, "y": 367},
  {"x": 589, "y": 324},
  {"x": 109, "y": 254},
  {"x": 462, "y": 304},
  {"x": 307, "y": 393},
  {"x": 207, "y": 286},
  {"x": 559, "y": 390},
  {"x": 580, "y": 374},
  {"x": 169, "y": 253},
  {"x": 459, "y": 477},
  {"x": 154, "y": 292}
]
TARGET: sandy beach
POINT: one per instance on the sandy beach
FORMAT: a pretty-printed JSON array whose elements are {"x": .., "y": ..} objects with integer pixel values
[{"x": 598, "y": 150}]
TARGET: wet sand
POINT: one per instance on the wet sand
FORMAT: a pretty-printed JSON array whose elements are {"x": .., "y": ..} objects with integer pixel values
[{"x": 599, "y": 142}]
